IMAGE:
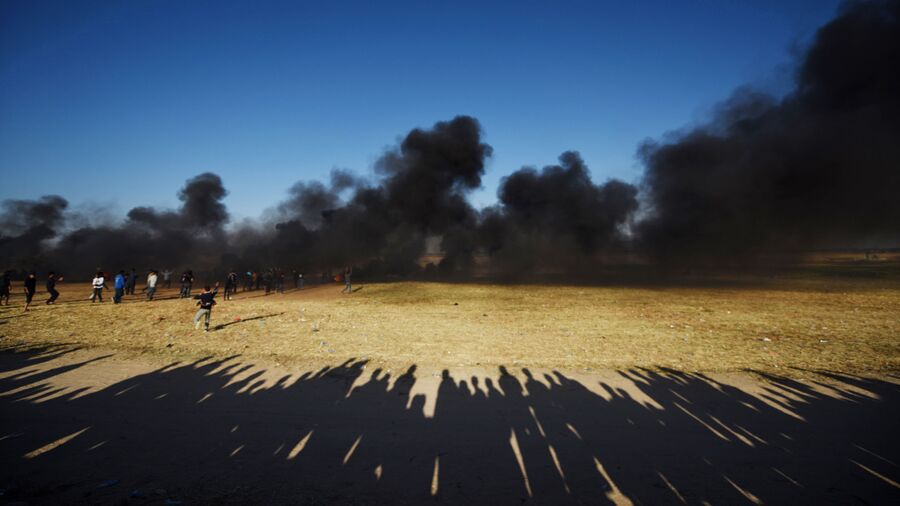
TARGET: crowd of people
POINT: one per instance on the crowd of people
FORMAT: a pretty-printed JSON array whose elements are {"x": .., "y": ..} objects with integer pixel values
[{"x": 125, "y": 283}]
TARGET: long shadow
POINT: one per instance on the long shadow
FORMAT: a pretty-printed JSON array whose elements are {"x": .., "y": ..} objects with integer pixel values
[
  {"x": 244, "y": 320},
  {"x": 228, "y": 432}
]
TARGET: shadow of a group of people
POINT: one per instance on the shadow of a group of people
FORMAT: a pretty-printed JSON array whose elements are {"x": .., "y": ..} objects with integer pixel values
[{"x": 223, "y": 431}]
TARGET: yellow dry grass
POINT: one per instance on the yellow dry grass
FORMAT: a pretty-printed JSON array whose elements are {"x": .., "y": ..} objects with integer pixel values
[{"x": 784, "y": 326}]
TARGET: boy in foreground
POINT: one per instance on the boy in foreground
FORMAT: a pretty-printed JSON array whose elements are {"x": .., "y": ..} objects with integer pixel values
[{"x": 206, "y": 302}]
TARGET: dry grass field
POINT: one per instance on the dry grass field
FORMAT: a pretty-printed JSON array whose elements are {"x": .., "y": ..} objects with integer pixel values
[{"x": 787, "y": 325}]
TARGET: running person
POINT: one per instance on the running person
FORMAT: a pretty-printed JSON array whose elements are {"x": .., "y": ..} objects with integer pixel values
[
  {"x": 151, "y": 284},
  {"x": 51, "y": 287},
  {"x": 30, "y": 288}
]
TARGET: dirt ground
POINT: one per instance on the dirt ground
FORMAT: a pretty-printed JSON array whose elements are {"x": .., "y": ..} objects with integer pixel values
[
  {"x": 783, "y": 326},
  {"x": 778, "y": 392}
]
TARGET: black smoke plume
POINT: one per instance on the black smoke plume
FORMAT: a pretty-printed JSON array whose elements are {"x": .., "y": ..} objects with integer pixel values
[
  {"x": 556, "y": 220},
  {"x": 25, "y": 228},
  {"x": 193, "y": 235},
  {"x": 420, "y": 192},
  {"x": 766, "y": 177}
]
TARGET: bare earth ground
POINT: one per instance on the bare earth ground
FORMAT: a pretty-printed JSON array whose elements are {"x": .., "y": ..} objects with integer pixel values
[{"x": 781, "y": 392}]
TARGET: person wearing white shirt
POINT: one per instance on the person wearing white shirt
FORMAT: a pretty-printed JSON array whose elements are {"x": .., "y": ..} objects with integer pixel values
[
  {"x": 97, "y": 284},
  {"x": 151, "y": 284}
]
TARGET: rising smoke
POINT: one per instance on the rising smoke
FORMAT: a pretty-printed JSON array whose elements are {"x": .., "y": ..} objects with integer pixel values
[
  {"x": 765, "y": 177},
  {"x": 818, "y": 168}
]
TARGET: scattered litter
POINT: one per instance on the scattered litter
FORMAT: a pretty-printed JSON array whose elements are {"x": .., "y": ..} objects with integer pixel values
[
  {"x": 236, "y": 319},
  {"x": 767, "y": 340},
  {"x": 823, "y": 340}
]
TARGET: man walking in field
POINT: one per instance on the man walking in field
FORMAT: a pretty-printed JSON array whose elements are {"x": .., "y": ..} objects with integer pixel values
[
  {"x": 119, "y": 286},
  {"x": 132, "y": 281},
  {"x": 348, "y": 288},
  {"x": 187, "y": 280},
  {"x": 51, "y": 287},
  {"x": 5, "y": 285},
  {"x": 206, "y": 303},
  {"x": 97, "y": 285}
]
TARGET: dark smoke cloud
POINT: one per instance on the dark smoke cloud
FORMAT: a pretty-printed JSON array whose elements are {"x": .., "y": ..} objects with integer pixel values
[
  {"x": 767, "y": 177},
  {"x": 421, "y": 191},
  {"x": 25, "y": 226},
  {"x": 150, "y": 238},
  {"x": 201, "y": 211},
  {"x": 556, "y": 219}
]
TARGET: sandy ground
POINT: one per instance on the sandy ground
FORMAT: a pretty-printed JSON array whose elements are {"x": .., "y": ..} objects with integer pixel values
[
  {"x": 86, "y": 426},
  {"x": 786, "y": 327}
]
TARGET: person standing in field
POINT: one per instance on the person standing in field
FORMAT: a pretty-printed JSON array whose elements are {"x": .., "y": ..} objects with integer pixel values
[
  {"x": 132, "y": 281},
  {"x": 231, "y": 281},
  {"x": 348, "y": 288},
  {"x": 206, "y": 303},
  {"x": 151, "y": 284},
  {"x": 5, "y": 285},
  {"x": 187, "y": 280},
  {"x": 97, "y": 285},
  {"x": 300, "y": 276},
  {"x": 119, "y": 286},
  {"x": 51, "y": 287},
  {"x": 30, "y": 288},
  {"x": 279, "y": 281},
  {"x": 167, "y": 278}
]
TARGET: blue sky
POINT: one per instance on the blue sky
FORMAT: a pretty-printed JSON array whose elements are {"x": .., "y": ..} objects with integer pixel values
[{"x": 118, "y": 103}]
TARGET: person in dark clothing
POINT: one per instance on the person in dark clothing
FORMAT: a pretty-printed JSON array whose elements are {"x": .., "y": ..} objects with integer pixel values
[
  {"x": 51, "y": 287},
  {"x": 119, "y": 286},
  {"x": 279, "y": 281},
  {"x": 187, "y": 281},
  {"x": 348, "y": 288},
  {"x": 5, "y": 285},
  {"x": 30, "y": 288},
  {"x": 231, "y": 282},
  {"x": 206, "y": 302},
  {"x": 132, "y": 281},
  {"x": 267, "y": 280}
]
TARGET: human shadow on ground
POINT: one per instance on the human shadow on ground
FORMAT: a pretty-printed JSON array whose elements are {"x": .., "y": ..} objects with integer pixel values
[
  {"x": 244, "y": 320},
  {"x": 228, "y": 432}
]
